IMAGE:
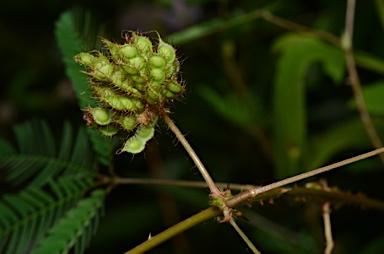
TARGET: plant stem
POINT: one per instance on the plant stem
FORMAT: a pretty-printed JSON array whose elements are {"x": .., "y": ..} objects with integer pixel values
[
  {"x": 292, "y": 26},
  {"x": 175, "y": 229},
  {"x": 253, "y": 192},
  {"x": 168, "y": 182},
  {"x": 203, "y": 171},
  {"x": 347, "y": 45},
  {"x": 334, "y": 196},
  {"x": 327, "y": 228},
  {"x": 243, "y": 236}
]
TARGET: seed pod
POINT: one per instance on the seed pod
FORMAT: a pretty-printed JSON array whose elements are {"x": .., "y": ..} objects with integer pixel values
[
  {"x": 101, "y": 116},
  {"x": 85, "y": 59},
  {"x": 113, "y": 48},
  {"x": 90, "y": 60},
  {"x": 166, "y": 51},
  {"x": 169, "y": 94},
  {"x": 119, "y": 80},
  {"x": 142, "y": 43},
  {"x": 157, "y": 75},
  {"x": 133, "y": 145},
  {"x": 153, "y": 94},
  {"x": 138, "y": 79},
  {"x": 139, "y": 86},
  {"x": 102, "y": 71},
  {"x": 124, "y": 103},
  {"x": 128, "y": 122},
  {"x": 151, "y": 101},
  {"x": 109, "y": 130},
  {"x": 174, "y": 87},
  {"x": 145, "y": 132},
  {"x": 116, "y": 101},
  {"x": 128, "y": 51},
  {"x": 137, "y": 62},
  {"x": 157, "y": 61}
]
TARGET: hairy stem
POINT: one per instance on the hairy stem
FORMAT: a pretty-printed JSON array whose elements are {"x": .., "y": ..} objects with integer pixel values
[
  {"x": 203, "y": 171},
  {"x": 355, "y": 80},
  {"x": 333, "y": 196},
  {"x": 175, "y": 229},
  {"x": 253, "y": 192},
  {"x": 243, "y": 236}
]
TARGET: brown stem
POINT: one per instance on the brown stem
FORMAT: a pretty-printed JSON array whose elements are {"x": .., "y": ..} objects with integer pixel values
[
  {"x": 289, "y": 25},
  {"x": 355, "y": 80},
  {"x": 203, "y": 171},
  {"x": 253, "y": 192}
]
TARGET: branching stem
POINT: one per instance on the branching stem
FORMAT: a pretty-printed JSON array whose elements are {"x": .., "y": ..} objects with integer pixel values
[{"x": 253, "y": 192}]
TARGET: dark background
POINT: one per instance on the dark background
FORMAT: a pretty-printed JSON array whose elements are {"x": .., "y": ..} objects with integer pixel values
[{"x": 34, "y": 85}]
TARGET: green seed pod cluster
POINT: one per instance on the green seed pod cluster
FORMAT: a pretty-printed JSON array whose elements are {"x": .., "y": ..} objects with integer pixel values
[{"x": 134, "y": 82}]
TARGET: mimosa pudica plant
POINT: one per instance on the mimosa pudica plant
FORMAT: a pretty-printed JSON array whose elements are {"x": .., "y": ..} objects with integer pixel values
[{"x": 134, "y": 83}]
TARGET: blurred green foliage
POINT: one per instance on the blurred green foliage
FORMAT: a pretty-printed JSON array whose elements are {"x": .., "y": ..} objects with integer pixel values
[{"x": 262, "y": 103}]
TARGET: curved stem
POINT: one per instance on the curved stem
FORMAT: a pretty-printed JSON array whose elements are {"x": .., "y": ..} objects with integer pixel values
[
  {"x": 203, "y": 171},
  {"x": 175, "y": 229},
  {"x": 355, "y": 80}
]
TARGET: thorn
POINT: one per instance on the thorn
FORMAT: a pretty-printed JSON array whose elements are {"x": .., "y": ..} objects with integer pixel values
[
  {"x": 149, "y": 236},
  {"x": 241, "y": 215}
]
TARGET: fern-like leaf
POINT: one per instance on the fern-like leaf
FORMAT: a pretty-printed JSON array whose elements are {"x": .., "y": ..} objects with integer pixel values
[
  {"x": 75, "y": 228},
  {"x": 38, "y": 158},
  {"x": 70, "y": 45},
  {"x": 27, "y": 216}
]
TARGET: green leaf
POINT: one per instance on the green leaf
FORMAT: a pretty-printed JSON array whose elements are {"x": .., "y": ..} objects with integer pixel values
[
  {"x": 73, "y": 229},
  {"x": 40, "y": 159},
  {"x": 290, "y": 134},
  {"x": 374, "y": 98},
  {"x": 241, "y": 111},
  {"x": 70, "y": 45},
  {"x": 337, "y": 139},
  {"x": 369, "y": 62},
  {"x": 26, "y": 216}
]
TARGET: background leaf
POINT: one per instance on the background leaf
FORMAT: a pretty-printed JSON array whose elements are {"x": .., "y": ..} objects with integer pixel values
[
  {"x": 290, "y": 119},
  {"x": 70, "y": 45},
  {"x": 39, "y": 159}
]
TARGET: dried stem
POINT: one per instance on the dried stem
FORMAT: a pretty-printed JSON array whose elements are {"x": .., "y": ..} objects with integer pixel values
[
  {"x": 327, "y": 221},
  {"x": 355, "y": 80},
  {"x": 327, "y": 228},
  {"x": 243, "y": 236},
  {"x": 253, "y": 192},
  {"x": 203, "y": 171}
]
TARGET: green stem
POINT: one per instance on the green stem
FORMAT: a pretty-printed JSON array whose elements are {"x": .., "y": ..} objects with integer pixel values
[
  {"x": 243, "y": 236},
  {"x": 175, "y": 229}
]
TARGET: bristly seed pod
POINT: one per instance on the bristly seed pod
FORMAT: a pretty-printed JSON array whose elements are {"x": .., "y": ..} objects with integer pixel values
[
  {"x": 101, "y": 116},
  {"x": 134, "y": 83},
  {"x": 133, "y": 145},
  {"x": 128, "y": 122},
  {"x": 109, "y": 130}
]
